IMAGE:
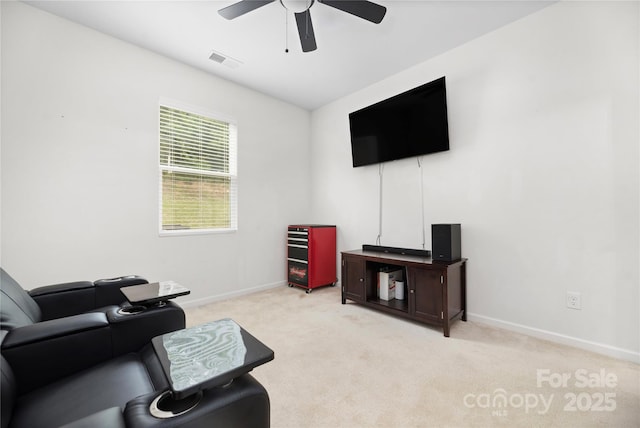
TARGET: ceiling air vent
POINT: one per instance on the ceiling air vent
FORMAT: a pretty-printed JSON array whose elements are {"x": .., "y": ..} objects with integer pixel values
[{"x": 224, "y": 59}]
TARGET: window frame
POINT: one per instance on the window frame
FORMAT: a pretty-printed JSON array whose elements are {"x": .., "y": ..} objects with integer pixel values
[{"x": 232, "y": 166}]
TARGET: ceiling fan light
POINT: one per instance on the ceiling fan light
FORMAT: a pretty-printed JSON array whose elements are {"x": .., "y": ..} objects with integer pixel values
[{"x": 297, "y": 6}]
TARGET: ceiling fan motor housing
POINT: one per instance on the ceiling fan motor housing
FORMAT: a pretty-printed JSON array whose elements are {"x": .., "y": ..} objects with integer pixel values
[{"x": 297, "y": 6}]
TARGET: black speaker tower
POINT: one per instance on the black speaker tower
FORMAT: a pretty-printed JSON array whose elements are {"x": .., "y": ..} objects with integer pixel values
[{"x": 445, "y": 242}]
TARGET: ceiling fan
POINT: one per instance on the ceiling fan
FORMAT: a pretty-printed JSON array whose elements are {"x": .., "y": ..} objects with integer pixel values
[{"x": 367, "y": 10}]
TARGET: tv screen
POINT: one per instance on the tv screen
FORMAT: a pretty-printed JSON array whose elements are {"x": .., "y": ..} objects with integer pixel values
[{"x": 412, "y": 123}]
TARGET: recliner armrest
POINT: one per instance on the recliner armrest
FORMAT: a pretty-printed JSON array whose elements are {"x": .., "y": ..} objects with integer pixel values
[
  {"x": 60, "y": 288},
  {"x": 52, "y": 329},
  {"x": 71, "y": 298},
  {"x": 130, "y": 332},
  {"x": 63, "y": 300},
  {"x": 44, "y": 352}
]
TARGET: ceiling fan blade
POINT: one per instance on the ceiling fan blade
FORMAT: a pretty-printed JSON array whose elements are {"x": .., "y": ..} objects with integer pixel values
[
  {"x": 242, "y": 7},
  {"x": 305, "y": 30},
  {"x": 370, "y": 11}
]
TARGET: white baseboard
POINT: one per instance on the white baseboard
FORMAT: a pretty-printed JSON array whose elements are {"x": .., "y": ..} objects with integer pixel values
[
  {"x": 218, "y": 297},
  {"x": 600, "y": 348}
]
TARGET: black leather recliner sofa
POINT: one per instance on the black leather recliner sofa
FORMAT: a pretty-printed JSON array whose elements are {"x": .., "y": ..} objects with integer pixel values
[
  {"x": 54, "y": 320},
  {"x": 91, "y": 364}
]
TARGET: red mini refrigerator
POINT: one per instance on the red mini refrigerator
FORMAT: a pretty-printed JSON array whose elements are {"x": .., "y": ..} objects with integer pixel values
[{"x": 311, "y": 256}]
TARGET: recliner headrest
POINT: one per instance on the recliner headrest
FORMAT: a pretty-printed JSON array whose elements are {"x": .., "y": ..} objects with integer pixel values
[{"x": 17, "y": 308}]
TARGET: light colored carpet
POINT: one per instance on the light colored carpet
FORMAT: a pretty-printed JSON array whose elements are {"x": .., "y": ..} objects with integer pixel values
[{"x": 348, "y": 366}]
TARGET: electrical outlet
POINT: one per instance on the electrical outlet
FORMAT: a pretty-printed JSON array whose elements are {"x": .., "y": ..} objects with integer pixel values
[{"x": 573, "y": 300}]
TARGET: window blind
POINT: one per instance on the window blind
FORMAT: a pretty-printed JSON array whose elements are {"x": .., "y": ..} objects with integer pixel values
[{"x": 197, "y": 172}]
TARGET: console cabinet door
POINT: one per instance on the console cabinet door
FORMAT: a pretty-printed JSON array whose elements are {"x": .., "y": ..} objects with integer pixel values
[
  {"x": 353, "y": 274},
  {"x": 425, "y": 294}
]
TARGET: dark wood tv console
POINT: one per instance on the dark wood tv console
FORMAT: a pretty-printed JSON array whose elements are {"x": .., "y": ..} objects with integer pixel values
[{"x": 436, "y": 291}]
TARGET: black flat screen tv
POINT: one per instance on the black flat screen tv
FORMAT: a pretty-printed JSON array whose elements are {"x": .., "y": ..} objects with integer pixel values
[{"x": 413, "y": 123}]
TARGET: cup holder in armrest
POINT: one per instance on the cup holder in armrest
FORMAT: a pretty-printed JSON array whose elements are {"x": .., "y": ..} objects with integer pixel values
[
  {"x": 131, "y": 310},
  {"x": 164, "y": 406}
]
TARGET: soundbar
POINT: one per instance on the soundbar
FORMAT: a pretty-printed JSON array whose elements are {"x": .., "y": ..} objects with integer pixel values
[{"x": 396, "y": 250}]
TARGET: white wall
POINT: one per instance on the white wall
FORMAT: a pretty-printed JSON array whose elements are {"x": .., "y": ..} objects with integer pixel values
[
  {"x": 542, "y": 173},
  {"x": 79, "y": 164}
]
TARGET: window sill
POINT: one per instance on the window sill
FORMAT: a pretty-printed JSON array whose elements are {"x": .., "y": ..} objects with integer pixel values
[{"x": 189, "y": 232}]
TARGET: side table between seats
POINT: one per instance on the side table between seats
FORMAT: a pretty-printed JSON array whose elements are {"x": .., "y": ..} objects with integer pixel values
[{"x": 154, "y": 294}]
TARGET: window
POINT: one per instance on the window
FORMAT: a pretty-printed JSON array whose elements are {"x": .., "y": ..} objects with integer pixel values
[{"x": 198, "y": 180}]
